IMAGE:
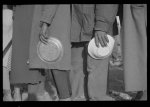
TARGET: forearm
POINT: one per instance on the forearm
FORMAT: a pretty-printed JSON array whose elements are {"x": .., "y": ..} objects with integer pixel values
[{"x": 105, "y": 16}]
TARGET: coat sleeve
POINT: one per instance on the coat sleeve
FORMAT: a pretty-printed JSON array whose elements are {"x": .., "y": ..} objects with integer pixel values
[
  {"x": 104, "y": 16},
  {"x": 48, "y": 13}
]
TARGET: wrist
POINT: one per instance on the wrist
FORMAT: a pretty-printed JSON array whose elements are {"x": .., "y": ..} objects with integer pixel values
[
  {"x": 45, "y": 24},
  {"x": 100, "y": 31},
  {"x": 102, "y": 26}
]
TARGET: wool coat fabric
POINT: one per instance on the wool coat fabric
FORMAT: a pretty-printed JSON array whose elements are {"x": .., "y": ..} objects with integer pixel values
[
  {"x": 134, "y": 42},
  {"x": 22, "y": 24},
  {"x": 58, "y": 17}
]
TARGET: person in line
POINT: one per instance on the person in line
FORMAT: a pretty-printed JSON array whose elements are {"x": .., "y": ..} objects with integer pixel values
[
  {"x": 90, "y": 20},
  {"x": 134, "y": 42},
  {"x": 55, "y": 22},
  {"x": 21, "y": 74},
  {"x": 7, "y": 49}
]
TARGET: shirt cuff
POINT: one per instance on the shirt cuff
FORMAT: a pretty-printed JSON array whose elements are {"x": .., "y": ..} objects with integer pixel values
[
  {"x": 102, "y": 26},
  {"x": 45, "y": 20}
]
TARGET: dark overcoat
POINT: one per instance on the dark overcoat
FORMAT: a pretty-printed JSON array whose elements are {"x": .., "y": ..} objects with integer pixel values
[
  {"x": 58, "y": 17},
  {"x": 22, "y": 28}
]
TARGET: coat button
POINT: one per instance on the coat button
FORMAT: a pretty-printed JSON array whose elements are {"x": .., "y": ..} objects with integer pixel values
[{"x": 27, "y": 61}]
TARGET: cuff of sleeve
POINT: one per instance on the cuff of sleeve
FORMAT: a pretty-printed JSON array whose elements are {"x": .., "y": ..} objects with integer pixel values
[
  {"x": 45, "y": 20},
  {"x": 102, "y": 26}
]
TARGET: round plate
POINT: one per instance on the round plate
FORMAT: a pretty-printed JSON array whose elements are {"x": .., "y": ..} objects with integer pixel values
[
  {"x": 50, "y": 52},
  {"x": 101, "y": 52}
]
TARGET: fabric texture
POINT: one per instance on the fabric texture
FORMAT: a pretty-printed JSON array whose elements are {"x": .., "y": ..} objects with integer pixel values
[
  {"x": 84, "y": 21},
  {"x": 60, "y": 29},
  {"x": 23, "y": 15},
  {"x": 134, "y": 42},
  {"x": 97, "y": 77},
  {"x": 77, "y": 76}
]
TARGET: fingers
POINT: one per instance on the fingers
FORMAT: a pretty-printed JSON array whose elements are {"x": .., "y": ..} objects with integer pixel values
[
  {"x": 96, "y": 40},
  {"x": 106, "y": 38},
  {"x": 101, "y": 41},
  {"x": 43, "y": 39},
  {"x": 100, "y": 37}
]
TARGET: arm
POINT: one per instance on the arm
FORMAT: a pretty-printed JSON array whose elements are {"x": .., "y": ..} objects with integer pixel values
[
  {"x": 48, "y": 14},
  {"x": 104, "y": 18}
]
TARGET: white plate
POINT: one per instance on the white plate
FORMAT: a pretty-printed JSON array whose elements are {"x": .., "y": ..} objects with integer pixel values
[
  {"x": 101, "y": 52},
  {"x": 50, "y": 52}
]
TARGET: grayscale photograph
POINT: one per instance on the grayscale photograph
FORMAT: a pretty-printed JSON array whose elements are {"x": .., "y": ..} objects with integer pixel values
[{"x": 74, "y": 52}]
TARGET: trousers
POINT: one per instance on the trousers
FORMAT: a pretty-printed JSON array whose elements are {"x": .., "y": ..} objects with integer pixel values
[{"x": 88, "y": 76}]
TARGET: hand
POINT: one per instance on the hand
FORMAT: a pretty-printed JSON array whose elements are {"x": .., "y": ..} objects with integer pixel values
[
  {"x": 43, "y": 34},
  {"x": 101, "y": 37}
]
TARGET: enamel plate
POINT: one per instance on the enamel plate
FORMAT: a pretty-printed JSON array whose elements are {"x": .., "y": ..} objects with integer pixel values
[
  {"x": 50, "y": 52},
  {"x": 101, "y": 52}
]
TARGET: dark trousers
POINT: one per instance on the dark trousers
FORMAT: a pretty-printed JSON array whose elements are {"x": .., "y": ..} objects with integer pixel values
[{"x": 61, "y": 80}]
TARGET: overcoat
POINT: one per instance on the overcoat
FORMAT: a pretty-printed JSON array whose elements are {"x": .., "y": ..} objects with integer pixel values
[
  {"x": 58, "y": 17},
  {"x": 22, "y": 24},
  {"x": 134, "y": 42}
]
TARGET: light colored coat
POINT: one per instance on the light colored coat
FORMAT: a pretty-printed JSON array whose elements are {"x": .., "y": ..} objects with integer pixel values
[{"x": 134, "y": 42}]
